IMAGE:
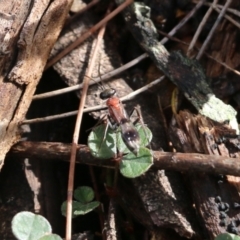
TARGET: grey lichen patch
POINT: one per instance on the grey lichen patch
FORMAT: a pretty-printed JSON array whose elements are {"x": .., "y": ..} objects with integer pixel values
[{"x": 218, "y": 111}]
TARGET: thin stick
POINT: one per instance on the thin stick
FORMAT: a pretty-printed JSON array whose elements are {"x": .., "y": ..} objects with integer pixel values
[
  {"x": 163, "y": 121},
  {"x": 76, "y": 135},
  {"x": 231, "y": 10},
  {"x": 183, "y": 21},
  {"x": 200, "y": 27},
  {"x": 231, "y": 20},
  {"x": 87, "y": 34},
  {"x": 95, "y": 108},
  {"x": 209, "y": 56},
  {"x": 96, "y": 80},
  {"x": 182, "y": 162},
  {"x": 220, "y": 16}
]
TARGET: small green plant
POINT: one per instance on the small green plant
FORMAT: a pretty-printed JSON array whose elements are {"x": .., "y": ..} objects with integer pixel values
[
  {"x": 84, "y": 202},
  {"x": 131, "y": 166},
  {"x": 30, "y": 226},
  {"x": 227, "y": 236}
]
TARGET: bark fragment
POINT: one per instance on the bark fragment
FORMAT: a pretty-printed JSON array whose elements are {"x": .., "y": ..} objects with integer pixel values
[{"x": 28, "y": 32}]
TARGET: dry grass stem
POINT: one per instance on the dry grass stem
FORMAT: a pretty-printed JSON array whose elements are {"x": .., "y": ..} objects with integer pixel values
[
  {"x": 207, "y": 40},
  {"x": 76, "y": 134},
  {"x": 183, "y": 21},
  {"x": 106, "y": 76},
  {"x": 200, "y": 27},
  {"x": 95, "y": 108},
  {"x": 231, "y": 10}
]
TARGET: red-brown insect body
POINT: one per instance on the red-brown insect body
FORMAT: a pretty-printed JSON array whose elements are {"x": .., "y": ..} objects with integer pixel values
[
  {"x": 119, "y": 116},
  {"x": 116, "y": 109}
]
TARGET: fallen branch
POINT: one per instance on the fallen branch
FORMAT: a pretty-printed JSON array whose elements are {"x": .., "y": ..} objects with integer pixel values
[{"x": 181, "y": 162}]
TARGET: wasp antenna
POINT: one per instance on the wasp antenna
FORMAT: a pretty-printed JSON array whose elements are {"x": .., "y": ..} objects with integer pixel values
[
  {"x": 96, "y": 82},
  {"x": 99, "y": 74}
]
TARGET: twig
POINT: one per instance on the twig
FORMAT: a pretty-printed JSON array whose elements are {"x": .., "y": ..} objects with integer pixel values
[
  {"x": 220, "y": 16},
  {"x": 96, "y": 80},
  {"x": 217, "y": 8},
  {"x": 209, "y": 56},
  {"x": 87, "y": 34},
  {"x": 76, "y": 134},
  {"x": 183, "y": 21},
  {"x": 95, "y": 108},
  {"x": 163, "y": 122},
  {"x": 200, "y": 27},
  {"x": 231, "y": 10},
  {"x": 181, "y": 162},
  {"x": 229, "y": 18}
]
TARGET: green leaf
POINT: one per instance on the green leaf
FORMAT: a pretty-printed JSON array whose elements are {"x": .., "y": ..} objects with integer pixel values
[
  {"x": 133, "y": 166},
  {"x": 100, "y": 147},
  {"x": 50, "y": 237},
  {"x": 227, "y": 236},
  {"x": 79, "y": 208},
  {"x": 82, "y": 209},
  {"x": 107, "y": 148},
  {"x": 84, "y": 194},
  {"x": 145, "y": 134},
  {"x": 64, "y": 208},
  {"x": 29, "y": 226}
]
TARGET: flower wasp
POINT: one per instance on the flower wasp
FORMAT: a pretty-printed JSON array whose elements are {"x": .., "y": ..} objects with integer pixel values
[{"x": 118, "y": 117}]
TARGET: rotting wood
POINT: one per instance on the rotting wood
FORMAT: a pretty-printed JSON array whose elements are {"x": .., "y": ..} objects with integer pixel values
[
  {"x": 213, "y": 195},
  {"x": 181, "y": 162},
  {"x": 27, "y": 32}
]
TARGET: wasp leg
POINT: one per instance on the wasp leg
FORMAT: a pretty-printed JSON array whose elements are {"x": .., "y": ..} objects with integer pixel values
[
  {"x": 139, "y": 115},
  {"x": 139, "y": 119}
]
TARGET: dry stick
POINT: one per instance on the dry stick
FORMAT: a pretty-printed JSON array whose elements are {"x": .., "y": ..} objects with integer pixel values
[
  {"x": 96, "y": 80},
  {"x": 76, "y": 134},
  {"x": 95, "y": 108},
  {"x": 163, "y": 121},
  {"x": 183, "y": 21},
  {"x": 223, "y": 64},
  {"x": 231, "y": 10},
  {"x": 87, "y": 34},
  {"x": 231, "y": 20},
  {"x": 200, "y": 27},
  {"x": 217, "y": 8},
  {"x": 209, "y": 56},
  {"x": 220, "y": 16},
  {"x": 181, "y": 162}
]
